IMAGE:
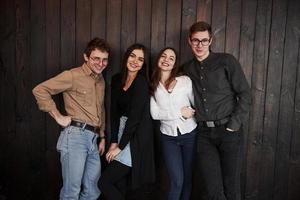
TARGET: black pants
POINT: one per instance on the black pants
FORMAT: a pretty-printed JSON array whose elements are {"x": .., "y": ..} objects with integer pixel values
[
  {"x": 217, "y": 158},
  {"x": 113, "y": 181}
]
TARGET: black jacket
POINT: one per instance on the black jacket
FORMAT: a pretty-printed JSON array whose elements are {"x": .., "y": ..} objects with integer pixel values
[{"x": 138, "y": 129}]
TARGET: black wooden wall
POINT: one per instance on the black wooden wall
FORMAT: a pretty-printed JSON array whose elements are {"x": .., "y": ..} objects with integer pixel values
[{"x": 40, "y": 38}]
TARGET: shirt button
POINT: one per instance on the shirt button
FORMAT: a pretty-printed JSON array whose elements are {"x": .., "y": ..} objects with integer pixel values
[
  {"x": 201, "y": 67},
  {"x": 204, "y": 89},
  {"x": 204, "y": 100},
  {"x": 201, "y": 77},
  {"x": 206, "y": 110}
]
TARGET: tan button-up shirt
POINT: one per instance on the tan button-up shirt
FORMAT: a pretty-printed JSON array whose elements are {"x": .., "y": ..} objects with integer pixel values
[{"x": 83, "y": 93}]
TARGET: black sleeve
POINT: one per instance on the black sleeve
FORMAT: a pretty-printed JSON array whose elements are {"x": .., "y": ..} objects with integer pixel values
[
  {"x": 140, "y": 96},
  {"x": 114, "y": 114},
  {"x": 242, "y": 91}
]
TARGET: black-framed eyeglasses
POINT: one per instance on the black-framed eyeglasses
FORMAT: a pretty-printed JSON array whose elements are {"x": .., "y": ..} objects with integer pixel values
[{"x": 204, "y": 42}]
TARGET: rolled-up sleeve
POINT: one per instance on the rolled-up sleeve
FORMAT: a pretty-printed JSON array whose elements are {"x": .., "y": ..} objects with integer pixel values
[{"x": 44, "y": 91}]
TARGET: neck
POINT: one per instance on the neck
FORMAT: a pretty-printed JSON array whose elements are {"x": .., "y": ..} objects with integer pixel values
[
  {"x": 164, "y": 76},
  {"x": 201, "y": 58}
]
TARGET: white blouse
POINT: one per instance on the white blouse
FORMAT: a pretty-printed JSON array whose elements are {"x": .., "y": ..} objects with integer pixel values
[{"x": 166, "y": 107}]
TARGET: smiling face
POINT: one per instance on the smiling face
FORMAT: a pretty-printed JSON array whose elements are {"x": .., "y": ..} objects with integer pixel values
[
  {"x": 97, "y": 61},
  {"x": 167, "y": 60},
  {"x": 135, "y": 60},
  {"x": 200, "y": 42}
]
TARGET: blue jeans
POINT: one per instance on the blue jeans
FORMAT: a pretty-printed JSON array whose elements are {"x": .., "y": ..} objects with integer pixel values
[
  {"x": 179, "y": 153},
  {"x": 80, "y": 162}
]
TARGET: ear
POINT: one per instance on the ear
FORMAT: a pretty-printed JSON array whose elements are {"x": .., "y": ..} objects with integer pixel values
[
  {"x": 189, "y": 41},
  {"x": 85, "y": 57}
]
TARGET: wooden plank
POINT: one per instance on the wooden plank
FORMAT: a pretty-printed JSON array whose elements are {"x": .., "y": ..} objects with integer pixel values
[
  {"x": 52, "y": 69},
  {"x": 247, "y": 31},
  {"x": 98, "y": 18},
  {"x": 173, "y": 24},
  {"x": 188, "y": 18},
  {"x": 204, "y": 10},
  {"x": 128, "y": 25},
  {"x": 218, "y": 23},
  {"x": 158, "y": 29},
  {"x": 8, "y": 96},
  {"x": 143, "y": 22},
  {"x": 67, "y": 32},
  {"x": 294, "y": 168},
  {"x": 113, "y": 38},
  {"x": 233, "y": 24},
  {"x": 83, "y": 28},
  {"x": 272, "y": 99},
  {"x": 38, "y": 69},
  {"x": 22, "y": 159},
  {"x": 250, "y": 189},
  {"x": 287, "y": 103}
]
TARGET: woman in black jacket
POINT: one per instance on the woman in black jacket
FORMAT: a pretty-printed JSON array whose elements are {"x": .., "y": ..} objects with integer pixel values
[{"x": 131, "y": 153}]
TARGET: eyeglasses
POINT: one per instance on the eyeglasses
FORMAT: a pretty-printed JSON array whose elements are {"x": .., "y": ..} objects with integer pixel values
[
  {"x": 205, "y": 42},
  {"x": 99, "y": 60}
]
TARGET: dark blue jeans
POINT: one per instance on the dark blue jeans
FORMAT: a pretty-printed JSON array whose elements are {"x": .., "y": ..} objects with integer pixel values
[
  {"x": 217, "y": 159},
  {"x": 179, "y": 153}
]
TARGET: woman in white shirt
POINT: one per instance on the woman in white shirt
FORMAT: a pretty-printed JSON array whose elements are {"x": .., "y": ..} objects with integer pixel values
[{"x": 171, "y": 103}]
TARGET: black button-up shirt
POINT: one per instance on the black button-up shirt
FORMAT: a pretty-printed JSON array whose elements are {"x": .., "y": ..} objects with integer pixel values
[{"x": 220, "y": 89}]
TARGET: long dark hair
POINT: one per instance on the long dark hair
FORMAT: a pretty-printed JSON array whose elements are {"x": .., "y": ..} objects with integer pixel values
[
  {"x": 156, "y": 75},
  {"x": 143, "y": 71}
]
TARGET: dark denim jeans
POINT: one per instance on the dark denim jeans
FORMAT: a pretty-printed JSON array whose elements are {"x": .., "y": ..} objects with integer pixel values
[
  {"x": 217, "y": 159},
  {"x": 179, "y": 153}
]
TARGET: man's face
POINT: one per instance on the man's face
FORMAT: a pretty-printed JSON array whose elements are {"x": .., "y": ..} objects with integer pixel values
[
  {"x": 200, "y": 42},
  {"x": 97, "y": 61}
]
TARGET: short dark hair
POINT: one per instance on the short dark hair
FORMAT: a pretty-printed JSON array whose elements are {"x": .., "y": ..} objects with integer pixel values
[
  {"x": 200, "y": 27},
  {"x": 96, "y": 43}
]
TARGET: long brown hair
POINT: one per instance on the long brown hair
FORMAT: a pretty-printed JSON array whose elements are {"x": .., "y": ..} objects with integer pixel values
[
  {"x": 143, "y": 70},
  {"x": 156, "y": 75}
]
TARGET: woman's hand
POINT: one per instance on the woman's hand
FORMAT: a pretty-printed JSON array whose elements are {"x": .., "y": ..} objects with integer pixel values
[
  {"x": 112, "y": 153},
  {"x": 187, "y": 112}
]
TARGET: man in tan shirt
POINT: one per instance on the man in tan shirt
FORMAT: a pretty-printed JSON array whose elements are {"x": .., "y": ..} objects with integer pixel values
[{"x": 83, "y": 92}]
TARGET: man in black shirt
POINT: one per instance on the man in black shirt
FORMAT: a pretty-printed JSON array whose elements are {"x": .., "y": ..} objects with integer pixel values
[{"x": 222, "y": 100}]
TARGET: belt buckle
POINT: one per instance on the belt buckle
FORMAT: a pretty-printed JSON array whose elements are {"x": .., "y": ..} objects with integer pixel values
[{"x": 210, "y": 124}]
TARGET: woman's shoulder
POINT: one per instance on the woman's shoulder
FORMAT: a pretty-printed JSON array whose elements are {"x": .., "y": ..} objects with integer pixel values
[{"x": 183, "y": 78}]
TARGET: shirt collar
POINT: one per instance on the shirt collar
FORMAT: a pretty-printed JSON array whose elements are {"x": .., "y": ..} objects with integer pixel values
[
  {"x": 87, "y": 71},
  {"x": 210, "y": 57}
]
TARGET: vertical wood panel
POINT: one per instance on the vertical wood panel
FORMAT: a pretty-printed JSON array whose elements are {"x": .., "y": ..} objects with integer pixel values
[
  {"x": 143, "y": 27},
  {"x": 38, "y": 72},
  {"x": 173, "y": 24},
  {"x": 67, "y": 32},
  {"x": 188, "y": 17},
  {"x": 287, "y": 97},
  {"x": 259, "y": 73},
  {"x": 158, "y": 28},
  {"x": 7, "y": 97},
  {"x": 218, "y": 25},
  {"x": 204, "y": 8},
  {"x": 83, "y": 28},
  {"x": 22, "y": 142},
  {"x": 98, "y": 18},
  {"x": 128, "y": 26},
  {"x": 233, "y": 25},
  {"x": 52, "y": 69},
  {"x": 272, "y": 99}
]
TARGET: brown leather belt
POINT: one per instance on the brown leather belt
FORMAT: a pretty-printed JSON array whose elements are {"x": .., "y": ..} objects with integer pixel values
[{"x": 85, "y": 126}]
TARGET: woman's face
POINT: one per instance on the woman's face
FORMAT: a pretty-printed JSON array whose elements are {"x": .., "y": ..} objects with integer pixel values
[
  {"x": 167, "y": 60},
  {"x": 135, "y": 60}
]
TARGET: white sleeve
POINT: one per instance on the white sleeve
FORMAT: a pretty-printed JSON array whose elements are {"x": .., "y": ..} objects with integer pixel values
[
  {"x": 190, "y": 91},
  {"x": 159, "y": 113}
]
